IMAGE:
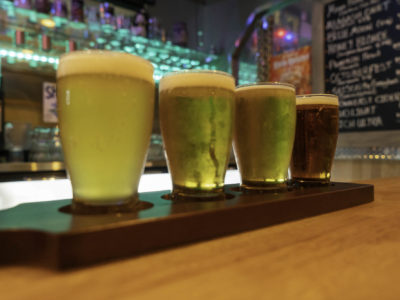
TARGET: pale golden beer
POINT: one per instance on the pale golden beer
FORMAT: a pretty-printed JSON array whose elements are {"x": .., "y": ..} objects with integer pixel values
[
  {"x": 196, "y": 115},
  {"x": 316, "y": 136},
  {"x": 264, "y": 133},
  {"x": 105, "y": 102}
]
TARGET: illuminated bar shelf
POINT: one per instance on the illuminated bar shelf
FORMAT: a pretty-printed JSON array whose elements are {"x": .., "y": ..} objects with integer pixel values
[{"x": 165, "y": 57}]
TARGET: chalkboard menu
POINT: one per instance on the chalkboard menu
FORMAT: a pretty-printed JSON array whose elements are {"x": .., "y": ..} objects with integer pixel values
[{"x": 362, "y": 62}]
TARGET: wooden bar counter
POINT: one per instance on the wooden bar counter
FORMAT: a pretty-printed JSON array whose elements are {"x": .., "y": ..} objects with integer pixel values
[{"x": 349, "y": 254}]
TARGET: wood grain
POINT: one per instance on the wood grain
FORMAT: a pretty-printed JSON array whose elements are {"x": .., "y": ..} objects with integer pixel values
[{"x": 349, "y": 254}]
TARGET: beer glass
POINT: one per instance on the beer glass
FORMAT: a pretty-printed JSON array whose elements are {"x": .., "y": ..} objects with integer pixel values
[
  {"x": 105, "y": 102},
  {"x": 316, "y": 137},
  {"x": 264, "y": 134},
  {"x": 196, "y": 115}
]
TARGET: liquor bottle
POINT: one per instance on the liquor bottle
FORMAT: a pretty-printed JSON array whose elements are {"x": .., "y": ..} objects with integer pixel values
[{"x": 3, "y": 152}]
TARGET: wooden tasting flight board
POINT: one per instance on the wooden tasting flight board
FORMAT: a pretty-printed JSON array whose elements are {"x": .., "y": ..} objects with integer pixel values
[{"x": 38, "y": 233}]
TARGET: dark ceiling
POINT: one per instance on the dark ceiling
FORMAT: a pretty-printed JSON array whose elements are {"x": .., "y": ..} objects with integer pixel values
[
  {"x": 131, "y": 4},
  {"x": 205, "y": 2}
]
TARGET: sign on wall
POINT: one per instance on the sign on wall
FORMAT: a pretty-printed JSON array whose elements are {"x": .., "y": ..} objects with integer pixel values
[
  {"x": 293, "y": 67},
  {"x": 49, "y": 103},
  {"x": 362, "y": 62}
]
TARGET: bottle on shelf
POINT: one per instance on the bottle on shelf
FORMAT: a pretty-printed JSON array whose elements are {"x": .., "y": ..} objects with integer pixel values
[
  {"x": 77, "y": 11},
  {"x": 59, "y": 9},
  {"x": 107, "y": 20},
  {"x": 140, "y": 25},
  {"x": 42, "y": 6},
  {"x": 23, "y": 4},
  {"x": 3, "y": 152}
]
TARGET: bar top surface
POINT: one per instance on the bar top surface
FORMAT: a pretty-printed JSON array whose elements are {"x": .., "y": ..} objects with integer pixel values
[{"x": 348, "y": 254}]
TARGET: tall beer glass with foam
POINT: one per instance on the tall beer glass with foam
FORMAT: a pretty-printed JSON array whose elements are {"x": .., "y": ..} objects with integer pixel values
[{"x": 106, "y": 102}]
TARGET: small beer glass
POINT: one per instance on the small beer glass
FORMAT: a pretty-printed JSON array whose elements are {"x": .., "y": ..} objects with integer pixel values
[
  {"x": 264, "y": 134},
  {"x": 316, "y": 137},
  {"x": 196, "y": 114}
]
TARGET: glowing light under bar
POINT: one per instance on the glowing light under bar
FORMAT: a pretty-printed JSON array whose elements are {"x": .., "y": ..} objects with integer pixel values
[
  {"x": 159, "y": 69},
  {"x": 22, "y": 55}
]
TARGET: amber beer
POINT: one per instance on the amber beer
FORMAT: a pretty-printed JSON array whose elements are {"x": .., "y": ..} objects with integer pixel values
[
  {"x": 316, "y": 137},
  {"x": 264, "y": 133},
  {"x": 196, "y": 115},
  {"x": 105, "y": 102}
]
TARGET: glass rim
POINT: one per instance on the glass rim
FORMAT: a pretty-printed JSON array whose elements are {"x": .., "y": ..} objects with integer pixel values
[
  {"x": 197, "y": 71},
  {"x": 87, "y": 51},
  {"x": 268, "y": 83},
  {"x": 317, "y": 95}
]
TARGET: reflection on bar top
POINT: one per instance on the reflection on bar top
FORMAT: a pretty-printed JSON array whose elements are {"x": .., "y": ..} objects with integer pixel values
[
  {"x": 14, "y": 167},
  {"x": 27, "y": 167},
  {"x": 18, "y": 192}
]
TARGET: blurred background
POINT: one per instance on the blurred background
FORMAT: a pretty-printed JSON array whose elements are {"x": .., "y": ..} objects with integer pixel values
[{"x": 255, "y": 40}]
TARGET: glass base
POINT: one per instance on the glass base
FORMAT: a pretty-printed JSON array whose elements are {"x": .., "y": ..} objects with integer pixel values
[
  {"x": 263, "y": 186},
  {"x": 127, "y": 205},
  {"x": 182, "y": 193},
  {"x": 310, "y": 181}
]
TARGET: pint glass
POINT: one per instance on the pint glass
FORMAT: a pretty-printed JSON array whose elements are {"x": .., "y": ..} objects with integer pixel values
[
  {"x": 264, "y": 134},
  {"x": 106, "y": 102},
  {"x": 196, "y": 115},
  {"x": 316, "y": 137}
]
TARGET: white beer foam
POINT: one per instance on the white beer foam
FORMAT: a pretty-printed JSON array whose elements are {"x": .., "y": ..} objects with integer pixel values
[
  {"x": 265, "y": 86},
  {"x": 197, "y": 79},
  {"x": 317, "y": 99},
  {"x": 100, "y": 62}
]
